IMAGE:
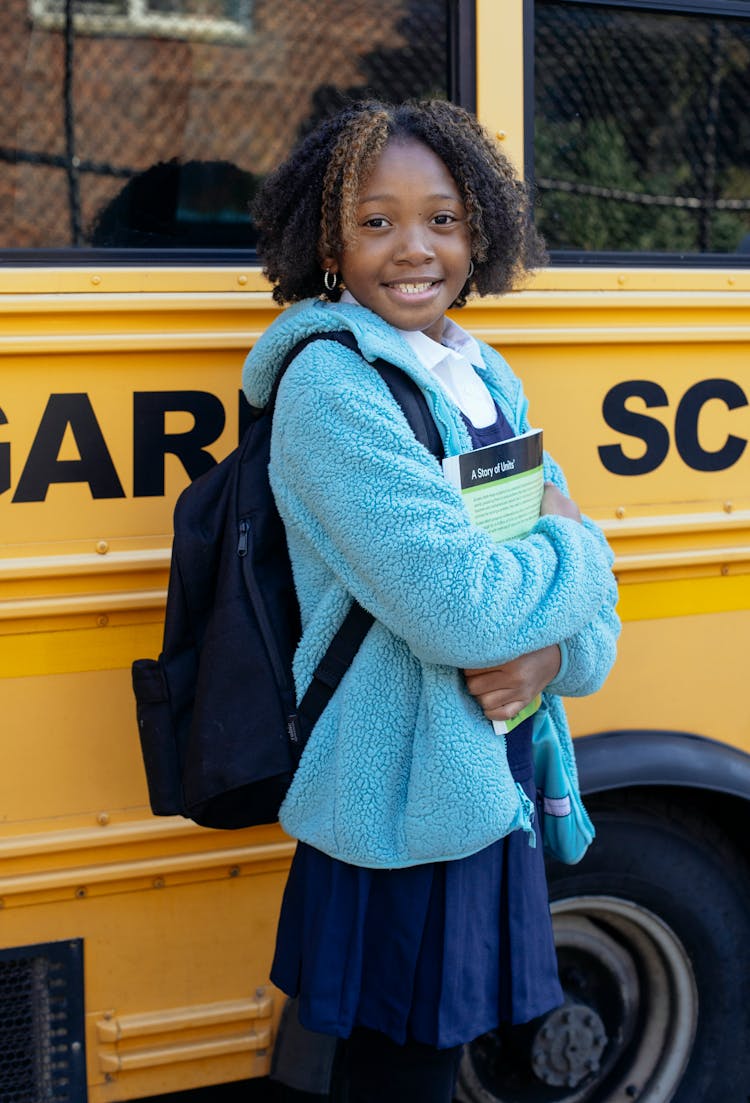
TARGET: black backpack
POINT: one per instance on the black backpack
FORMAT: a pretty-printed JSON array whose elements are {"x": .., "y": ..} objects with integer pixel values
[{"x": 220, "y": 730}]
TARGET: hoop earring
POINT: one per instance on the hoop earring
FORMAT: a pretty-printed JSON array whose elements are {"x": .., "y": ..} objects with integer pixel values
[
  {"x": 471, "y": 269},
  {"x": 330, "y": 284}
]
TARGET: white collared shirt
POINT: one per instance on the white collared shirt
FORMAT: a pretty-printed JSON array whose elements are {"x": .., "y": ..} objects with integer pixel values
[{"x": 452, "y": 362}]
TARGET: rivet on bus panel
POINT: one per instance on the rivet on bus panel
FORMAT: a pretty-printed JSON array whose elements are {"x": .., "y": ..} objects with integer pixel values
[
  {"x": 96, "y": 280},
  {"x": 158, "y": 882},
  {"x": 242, "y": 280},
  {"x": 102, "y": 547},
  {"x": 81, "y": 892},
  {"x": 728, "y": 507},
  {"x": 725, "y": 569},
  {"x": 103, "y": 819},
  {"x": 622, "y": 280},
  {"x": 501, "y": 135},
  {"x": 620, "y": 511},
  {"x": 102, "y": 620}
]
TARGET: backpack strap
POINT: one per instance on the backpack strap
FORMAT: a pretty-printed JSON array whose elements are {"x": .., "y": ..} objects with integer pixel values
[
  {"x": 406, "y": 392},
  {"x": 357, "y": 622},
  {"x": 403, "y": 388}
]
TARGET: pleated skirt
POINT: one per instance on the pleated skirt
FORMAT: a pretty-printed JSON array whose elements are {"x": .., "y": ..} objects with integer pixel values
[{"x": 438, "y": 953}]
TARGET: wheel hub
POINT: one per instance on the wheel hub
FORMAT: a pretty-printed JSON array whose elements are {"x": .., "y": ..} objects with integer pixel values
[
  {"x": 626, "y": 1029},
  {"x": 568, "y": 1046}
]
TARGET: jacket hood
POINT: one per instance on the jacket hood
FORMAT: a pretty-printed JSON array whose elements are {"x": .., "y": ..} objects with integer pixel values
[{"x": 374, "y": 336}]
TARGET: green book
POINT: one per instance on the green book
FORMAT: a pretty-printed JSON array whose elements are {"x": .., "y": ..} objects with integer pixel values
[{"x": 502, "y": 486}]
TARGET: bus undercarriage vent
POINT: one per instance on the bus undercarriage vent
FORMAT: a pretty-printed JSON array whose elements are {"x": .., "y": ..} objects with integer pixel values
[{"x": 42, "y": 1056}]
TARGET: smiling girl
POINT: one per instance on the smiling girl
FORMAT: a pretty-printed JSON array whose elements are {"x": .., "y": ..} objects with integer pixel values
[{"x": 415, "y": 917}]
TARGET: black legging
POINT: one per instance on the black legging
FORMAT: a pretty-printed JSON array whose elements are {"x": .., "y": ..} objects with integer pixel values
[{"x": 377, "y": 1070}]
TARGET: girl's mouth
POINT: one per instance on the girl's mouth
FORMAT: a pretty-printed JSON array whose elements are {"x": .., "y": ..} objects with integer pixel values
[{"x": 412, "y": 288}]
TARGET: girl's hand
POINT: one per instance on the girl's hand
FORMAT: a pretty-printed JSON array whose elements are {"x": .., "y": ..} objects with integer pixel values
[
  {"x": 554, "y": 501},
  {"x": 502, "y": 691}
]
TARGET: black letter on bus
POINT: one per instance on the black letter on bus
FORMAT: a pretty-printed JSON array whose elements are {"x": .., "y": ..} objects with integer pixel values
[
  {"x": 94, "y": 466},
  {"x": 4, "y": 460},
  {"x": 686, "y": 425},
  {"x": 648, "y": 429},
  {"x": 151, "y": 442}
]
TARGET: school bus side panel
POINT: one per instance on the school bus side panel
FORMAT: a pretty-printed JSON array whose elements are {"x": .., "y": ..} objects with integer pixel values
[
  {"x": 177, "y": 922},
  {"x": 115, "y": 385}
]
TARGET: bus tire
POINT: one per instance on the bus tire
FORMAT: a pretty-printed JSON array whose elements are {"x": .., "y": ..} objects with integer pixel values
[{"x": 653, "y": 935}]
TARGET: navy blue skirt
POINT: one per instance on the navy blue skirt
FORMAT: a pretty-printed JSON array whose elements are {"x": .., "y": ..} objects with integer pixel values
[{"x": 436, "y": 953}]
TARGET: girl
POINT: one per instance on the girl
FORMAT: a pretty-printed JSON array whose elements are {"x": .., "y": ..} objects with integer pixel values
[{"x": 416, "y": 917}]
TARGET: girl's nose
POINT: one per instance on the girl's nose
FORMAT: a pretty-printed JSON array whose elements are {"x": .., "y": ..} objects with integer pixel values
[{"x": 413, "y": 246}]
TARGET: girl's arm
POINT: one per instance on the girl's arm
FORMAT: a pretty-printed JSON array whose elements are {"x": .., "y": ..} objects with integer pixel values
[
  {"x": 589, "y": 654},
  {"x": 585, "y": 658},
  {"x": 352, "y": 482},
  {"x": 502, "y": 691}
]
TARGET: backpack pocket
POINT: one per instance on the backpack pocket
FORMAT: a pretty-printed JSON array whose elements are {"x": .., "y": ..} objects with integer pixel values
[{"x": 158, "y": 738}]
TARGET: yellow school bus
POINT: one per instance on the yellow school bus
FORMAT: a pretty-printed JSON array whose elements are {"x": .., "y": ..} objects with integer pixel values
[{"x": 134, "y": 950}]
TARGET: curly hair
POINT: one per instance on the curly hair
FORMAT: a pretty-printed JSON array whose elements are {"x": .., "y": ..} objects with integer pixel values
[{"x": 306, "y": 209}]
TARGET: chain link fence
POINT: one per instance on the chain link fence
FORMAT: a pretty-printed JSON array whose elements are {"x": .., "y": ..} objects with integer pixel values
[
  {"x": 147, "y": 123},
  {"x": 642, "y": 133}
]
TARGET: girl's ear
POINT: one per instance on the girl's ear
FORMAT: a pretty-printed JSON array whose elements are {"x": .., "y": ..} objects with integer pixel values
[{"x": 330, "y": 264}]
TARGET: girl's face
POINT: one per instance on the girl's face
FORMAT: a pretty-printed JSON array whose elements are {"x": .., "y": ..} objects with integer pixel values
[{"x": 412, "y": 255}]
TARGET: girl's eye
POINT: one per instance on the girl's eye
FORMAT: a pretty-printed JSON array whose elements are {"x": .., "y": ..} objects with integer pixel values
[
  {"x": 444, "y": 219},
  {"x": 377, "y": 222}
]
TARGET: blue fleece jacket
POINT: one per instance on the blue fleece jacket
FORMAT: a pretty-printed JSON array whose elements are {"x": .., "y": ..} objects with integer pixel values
[{"x": 403, "y": 767}]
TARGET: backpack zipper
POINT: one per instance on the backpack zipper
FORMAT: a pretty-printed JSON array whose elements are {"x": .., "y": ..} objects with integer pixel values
[
  {"x": 243, "y": 541},
  {"x": 243, "y": 549}
]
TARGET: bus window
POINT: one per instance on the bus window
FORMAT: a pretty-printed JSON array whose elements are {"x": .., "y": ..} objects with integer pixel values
[
  {"x": 146, "y": 124},
  {"x": 641, "y": 140}
]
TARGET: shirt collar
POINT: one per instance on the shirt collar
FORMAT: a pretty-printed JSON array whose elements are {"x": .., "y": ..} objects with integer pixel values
[{"x": 430, "y": 352}]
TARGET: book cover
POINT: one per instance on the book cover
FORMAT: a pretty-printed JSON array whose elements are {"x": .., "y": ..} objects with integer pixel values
[
  {"x": 502, "y": 484},
  {"x": 502, "y": 487}
]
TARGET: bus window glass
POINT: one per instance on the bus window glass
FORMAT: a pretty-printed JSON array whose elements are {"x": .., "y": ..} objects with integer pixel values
[
  {"x": 147, "y": 123},
  {"x": 642, "y": 134}
]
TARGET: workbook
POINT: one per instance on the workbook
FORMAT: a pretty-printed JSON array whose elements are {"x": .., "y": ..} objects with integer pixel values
[{"x": 502, "y": 486}]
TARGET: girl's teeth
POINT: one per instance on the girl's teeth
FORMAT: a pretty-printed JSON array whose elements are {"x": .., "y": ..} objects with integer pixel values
[{"x": 412, "y": 288}]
